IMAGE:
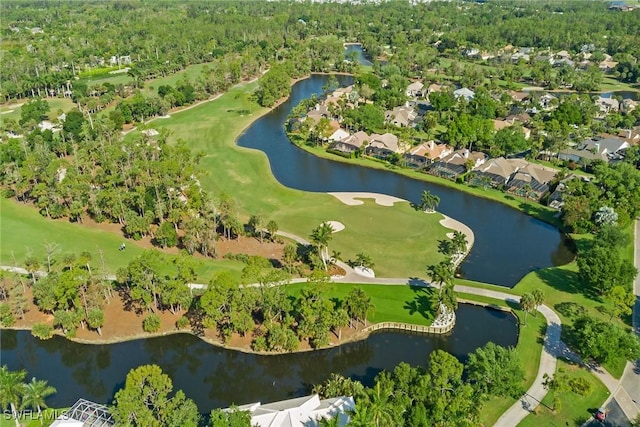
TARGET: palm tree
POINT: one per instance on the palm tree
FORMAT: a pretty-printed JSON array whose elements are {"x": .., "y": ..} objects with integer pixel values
[
  {"x": 528, "y": 304},
  {"x": 429, "y": 202},
  {"x": 321, "y": 236},
  {"x": 459, "y": 241},
  {"x": 11, "y": 389},
  {"x": 443, "y": 273},
  {"x": 35, "y": 393}
]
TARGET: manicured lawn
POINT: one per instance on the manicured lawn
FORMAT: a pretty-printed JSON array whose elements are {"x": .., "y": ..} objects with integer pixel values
[
  {"x": 393, "y": 303},
  {"x": 24, "y": 231},
  {"x": 574, "y": 409},
  {"x": 400, "y": 240}
]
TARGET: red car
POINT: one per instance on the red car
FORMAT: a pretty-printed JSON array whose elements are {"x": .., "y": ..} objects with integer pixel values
[{"x": 601, "y": 414}]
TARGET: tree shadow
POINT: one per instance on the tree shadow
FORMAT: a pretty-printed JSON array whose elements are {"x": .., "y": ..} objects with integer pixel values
[
  {"x": 569, "y": 309},
  {"x": 422, "y": 302},
  {"x": 566, "y": 281}
]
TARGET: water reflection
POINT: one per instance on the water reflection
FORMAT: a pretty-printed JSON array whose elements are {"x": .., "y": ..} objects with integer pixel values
[{"x": 216, "y": 377}]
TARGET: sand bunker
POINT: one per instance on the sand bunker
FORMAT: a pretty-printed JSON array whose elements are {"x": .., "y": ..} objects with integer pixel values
[
  {"x": 458, "y": 226},
  {"x": 380, "y": 199},
  {"x": 336, "y": 225}
]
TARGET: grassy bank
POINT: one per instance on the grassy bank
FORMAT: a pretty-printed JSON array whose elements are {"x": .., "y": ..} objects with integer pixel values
[
  {"x": 529, "y": 207},
  {"x": 393, "y": 303}
]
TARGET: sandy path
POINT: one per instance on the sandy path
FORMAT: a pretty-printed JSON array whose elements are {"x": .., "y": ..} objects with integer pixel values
[{"x": 380, "y": 199}]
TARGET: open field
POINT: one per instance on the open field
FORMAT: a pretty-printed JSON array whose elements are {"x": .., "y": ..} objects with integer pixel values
[
  {"x": 408, "y": 304},
  {"x": 23, "y": 231}
]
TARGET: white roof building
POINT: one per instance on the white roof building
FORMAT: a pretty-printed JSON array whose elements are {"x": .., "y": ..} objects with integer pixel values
[{"x": 299, "y": 412}]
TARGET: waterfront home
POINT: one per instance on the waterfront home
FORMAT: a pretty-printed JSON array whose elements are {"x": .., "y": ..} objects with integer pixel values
[
  {"x": 607, "y": 66},
  {"x": 425, "y": 153},
  {"x": 548, "y": 101},
  {"x": 339, "y": 135},
  {"x": 351, "y": 143},
  {"x": 299, "y": 412},
  {"x": 607, "y": 105},
  {"x": 401, "y": 116},
  {"x": 382, "y": 146},
  {"x": 531, "y": 181},
  {"x": 497, "y": 172},
  {"x": 85, "y": 413},
  {"x": 628, "y": 105},
  {"x": 557, "y": 198},
  {"x": 631, "y": 136},
  {"x": 518, "y": 96},
  {"x": 457, "y": 163}
]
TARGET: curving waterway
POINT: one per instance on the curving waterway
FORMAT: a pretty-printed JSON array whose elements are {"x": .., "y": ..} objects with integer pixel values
[
  {"x": 216, "y": 377},
  {"x": 508, "y": 243}
]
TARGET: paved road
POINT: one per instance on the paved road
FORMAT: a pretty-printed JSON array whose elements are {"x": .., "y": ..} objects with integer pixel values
[{"x": 615, "y": 417}]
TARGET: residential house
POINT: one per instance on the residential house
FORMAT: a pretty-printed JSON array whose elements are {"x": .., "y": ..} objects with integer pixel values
[
  {"x": 85, "y": 413},
  {"x": 456, "y": 163},
  {"x": 472, "y": 52},
  {"x": 501, "y": 124},
  {"x": 531, "y": 181},
  {"x": 425, "y": 153},
  {"x": 523, "y": 118},
  {"x": 318, "y": 113},
  {"x": 598, "y": 148},
  {"x": 563, "y": 62},
  {"x": 497, "y": 172},
  {"x": 339, "y": 135},
  {"x": 631, "y": 136},
  {"x": 299, "y": 412},
  {"x": 465, "y": 93},
  {"x": 352, "y": 143},
  {"x": 518, "y": 97},
  {"x": 607, "y": 66},
  {"x": 382, "y": 146},
  {"x": 563, "y": 54},
  {"x": 548, "y": 102},
  {"x": 516, "y": 57},
  {"x": 401, "y": 116},
  {"x": 607, "y": 105},
  {"x": 628, "y": 105},
  {"x": 414, "y": 90},
  {"x": 557, "y": 198}
]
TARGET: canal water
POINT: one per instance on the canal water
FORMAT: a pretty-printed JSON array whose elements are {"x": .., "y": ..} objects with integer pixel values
[
  {"x": 508, "y": 243},
  {"x": 215, "y": 377}
]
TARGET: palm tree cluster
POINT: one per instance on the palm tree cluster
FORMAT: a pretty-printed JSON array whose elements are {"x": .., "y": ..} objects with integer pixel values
[{"x": 16, "y": 395}]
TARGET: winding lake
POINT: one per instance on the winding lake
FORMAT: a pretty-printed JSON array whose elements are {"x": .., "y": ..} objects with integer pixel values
[
  {"x": 215, "y": 377},
  {"x": 508, "y": 243}
]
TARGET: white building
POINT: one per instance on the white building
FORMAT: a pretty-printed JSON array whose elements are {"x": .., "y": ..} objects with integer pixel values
[{"x": 299, "y": 412}]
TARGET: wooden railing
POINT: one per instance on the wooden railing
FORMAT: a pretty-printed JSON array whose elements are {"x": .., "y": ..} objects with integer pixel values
[{"x": 421, "y": 329}]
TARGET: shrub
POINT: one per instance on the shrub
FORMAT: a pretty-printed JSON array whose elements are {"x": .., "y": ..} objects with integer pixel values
[
  {"x": 259, "y": 344},
  {"x": 581, "y": 386},
  {"x": 182, "y": 322},
  {"x": 42, "y": 330},
  {"x": 7, "y": 319},
  {"x": 151, "y": 323}
]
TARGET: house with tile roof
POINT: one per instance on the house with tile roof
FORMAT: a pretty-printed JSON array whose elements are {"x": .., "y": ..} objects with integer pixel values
[
  {"x": 382, "y": 146},
  {"x": 456, "y": 163},
  {"x": 498, "y": 171},
  {"x": 531, "y": 181},
  {"x": 426, "y": 153},
  {"x": 352, "y": 143}
]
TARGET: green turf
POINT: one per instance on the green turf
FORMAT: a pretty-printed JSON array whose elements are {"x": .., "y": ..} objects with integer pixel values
[
  {"x": 393, "y": 303},
  {"x": 574, "y": 409},
  {"x": 23, "y": 231},
  {"x": 400, "y": 240}
]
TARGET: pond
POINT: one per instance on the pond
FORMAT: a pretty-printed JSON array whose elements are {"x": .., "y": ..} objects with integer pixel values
[
  {"x": 508, "y": 243},
  {"x": 216, "y": 377}
]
